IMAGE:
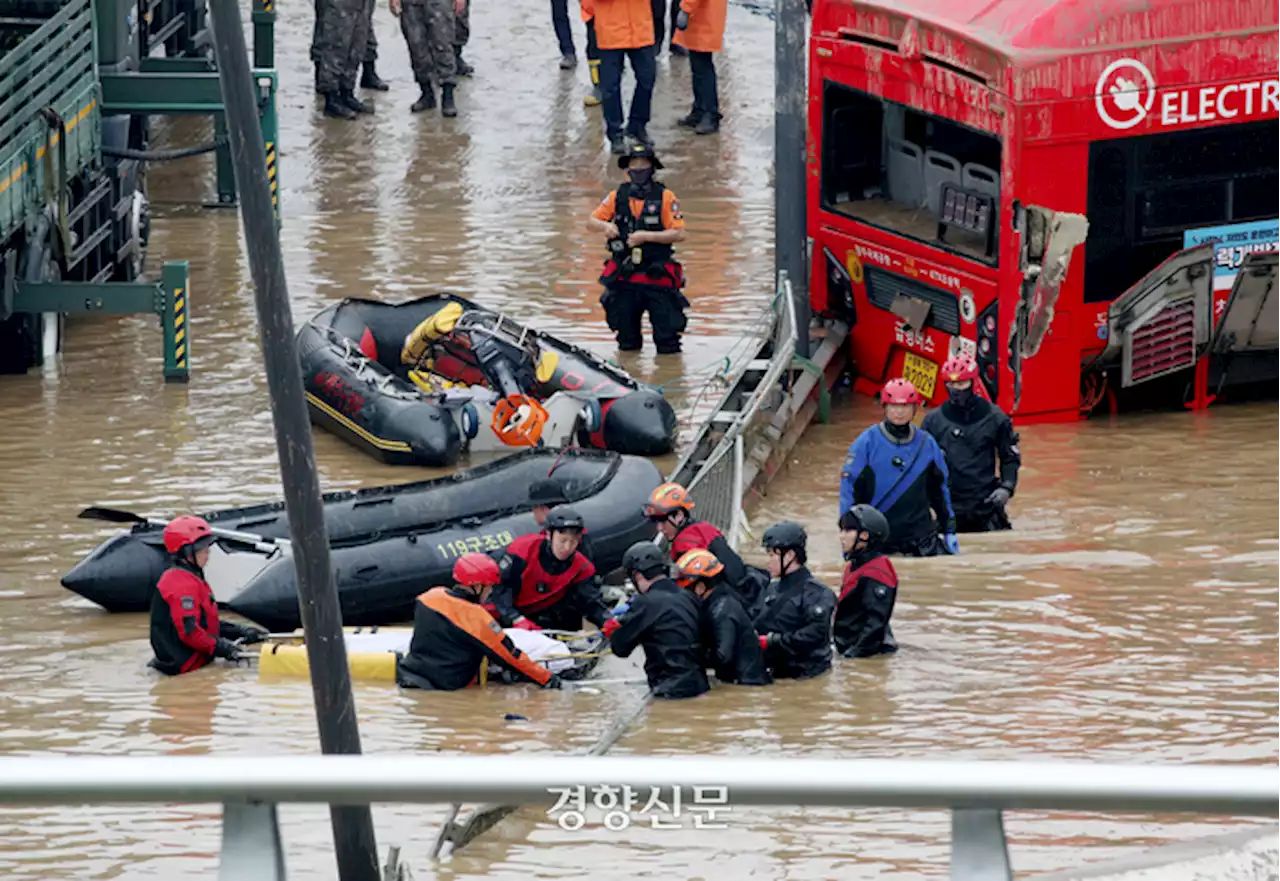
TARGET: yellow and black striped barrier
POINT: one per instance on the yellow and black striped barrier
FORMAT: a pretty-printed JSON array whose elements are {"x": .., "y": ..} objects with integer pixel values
[{"x": 174, "y": 280}]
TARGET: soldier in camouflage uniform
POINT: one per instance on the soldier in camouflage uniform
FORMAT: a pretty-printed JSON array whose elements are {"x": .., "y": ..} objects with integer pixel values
[
  {"x": 428, "y": 30},
  {"x": 461, "y": 36},
  {"x": 369, "y": 78},
  {"x": 344, "y": 33}
]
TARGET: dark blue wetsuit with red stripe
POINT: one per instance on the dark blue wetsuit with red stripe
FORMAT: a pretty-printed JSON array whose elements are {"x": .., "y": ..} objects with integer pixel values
[{"x": 900, "y": 471}]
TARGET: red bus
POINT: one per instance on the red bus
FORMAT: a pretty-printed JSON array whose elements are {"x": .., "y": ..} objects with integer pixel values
[{"x": 1080, "y": 193}]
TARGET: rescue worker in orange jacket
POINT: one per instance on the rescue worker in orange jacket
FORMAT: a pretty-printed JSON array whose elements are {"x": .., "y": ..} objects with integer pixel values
[
  {"x": 641, "y": 222},
  {"x": 671, "y": 508},
  {"x": 700, "y": 29},
  {"x": 624, "y": 31},
  {"x": 868, "y": 588},
  {"x": 547, "y": 582},
  {"x": 729, "y": 640},
  {"x": 453, "y": 634},
  {"x": 185, "y": 631}
]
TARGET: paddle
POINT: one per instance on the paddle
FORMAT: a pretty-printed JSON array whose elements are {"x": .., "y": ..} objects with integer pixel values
[{"x": 257, "y": 542}]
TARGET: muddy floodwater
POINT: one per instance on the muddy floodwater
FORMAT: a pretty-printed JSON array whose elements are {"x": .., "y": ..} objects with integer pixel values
[{"x": 1131, "y": 617}]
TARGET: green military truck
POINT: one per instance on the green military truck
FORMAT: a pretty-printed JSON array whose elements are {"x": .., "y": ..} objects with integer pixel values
[{"x": 79, "y": 80}]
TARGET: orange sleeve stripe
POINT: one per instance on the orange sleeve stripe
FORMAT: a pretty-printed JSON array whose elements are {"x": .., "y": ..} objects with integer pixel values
[
  {"x": 474, "y": 621},
  {"x": 606, "y": 209},
  {"x": 669, "y": 219}
]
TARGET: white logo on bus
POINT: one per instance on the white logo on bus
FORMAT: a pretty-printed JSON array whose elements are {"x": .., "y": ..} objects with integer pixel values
[{"x": 1124, "y": 94}]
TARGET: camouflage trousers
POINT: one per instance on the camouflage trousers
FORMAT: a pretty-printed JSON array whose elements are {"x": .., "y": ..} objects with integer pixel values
[
  {"x": 428, "y": 29},
  {"x": 343, "y": 41},
  {"x": 370, "y": 46}
]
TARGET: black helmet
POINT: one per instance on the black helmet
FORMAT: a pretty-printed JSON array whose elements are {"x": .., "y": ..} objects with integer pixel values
[
  {"x": 645, "y": 558},
  {"x": 547, "y": 491},
  {"x": 564, "y": 518},
  {"x": 865, "y": 518},
  {"x": 639, "y": 151},
  {"x": 785, "y": 536}
]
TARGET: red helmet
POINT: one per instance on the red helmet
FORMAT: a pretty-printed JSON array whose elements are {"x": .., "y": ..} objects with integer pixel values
[
  {"x": 476, "y": 570},
  {"x": 187, "y": 530},
  {"x": 959, "y": 368},
  {"x": 900, "y": 391}
]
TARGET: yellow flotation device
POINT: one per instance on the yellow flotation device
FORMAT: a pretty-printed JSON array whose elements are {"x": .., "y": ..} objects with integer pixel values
[
  {"x": 547, "y": 365},
  {"x": 432, "y": 384},
  {"x": 419, "y": 341}
]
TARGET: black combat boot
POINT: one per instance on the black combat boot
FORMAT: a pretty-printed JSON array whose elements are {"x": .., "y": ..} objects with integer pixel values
[
  {"x": 426, "y": 102},
  {"x": 690, "y": 120},
  {"x": 708, "y": 124},
  {"x": 355, "y": 103},
  {"x": 446, "y": 101},
  {"x": 461, "y": 67},
  {"x": 336, "y": 108},
  {"x": 369, "y": 79}
]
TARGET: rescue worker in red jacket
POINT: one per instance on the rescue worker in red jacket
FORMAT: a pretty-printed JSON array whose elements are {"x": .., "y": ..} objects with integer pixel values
[
  {"x": 547, "y": 581},
  {"x": 868, "y": 588},
  {"x": 670, "y": 507},
  {"x": 185, "y": 631},
  {"x": 453, "y": 634},
  {"x": 729, "y": 640}
]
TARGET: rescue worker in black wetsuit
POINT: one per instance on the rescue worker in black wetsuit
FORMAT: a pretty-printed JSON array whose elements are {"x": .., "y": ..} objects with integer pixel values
[
  {"x": 670, "y": 507},
  {"x": 546, "y": 494},
  {"x": 453, "y": 634},
  {"x": 794, "y": 617},
  {"x": 186, "y": 633},
  {"x": 868, "y": 588},
  {"x": 729, "y": 640},
  {"x": 664, "y": 621},
  {"x": 641, "y": 222},
  {"x": 974, "y": 434},
  {"x": 901, "y": 472},
  {"x": 547, "y": 582}
]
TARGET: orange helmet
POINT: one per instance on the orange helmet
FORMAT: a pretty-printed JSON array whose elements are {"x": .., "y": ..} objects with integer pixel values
[
  {"x": 696, "y": 565},
  {"x": 666, "y": 499}
]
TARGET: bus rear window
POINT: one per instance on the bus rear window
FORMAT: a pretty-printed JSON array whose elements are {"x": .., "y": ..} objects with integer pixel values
[{"x": 921, "y": 176}]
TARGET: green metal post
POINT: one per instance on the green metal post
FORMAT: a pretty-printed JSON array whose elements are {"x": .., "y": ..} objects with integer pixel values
[
  {"x": 173, "y": 318},
  {"x": 267, "y": 82},
  {"x": 264, "y": 33},
  {"x": 225, "y": 169}
]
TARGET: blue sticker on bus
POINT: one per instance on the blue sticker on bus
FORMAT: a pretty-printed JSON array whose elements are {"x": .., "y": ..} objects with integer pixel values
[{"x": 1232, "y": 243}]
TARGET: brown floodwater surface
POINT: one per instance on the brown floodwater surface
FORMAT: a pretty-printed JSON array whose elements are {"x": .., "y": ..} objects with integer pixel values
[{"x": 1130, "y": 617}]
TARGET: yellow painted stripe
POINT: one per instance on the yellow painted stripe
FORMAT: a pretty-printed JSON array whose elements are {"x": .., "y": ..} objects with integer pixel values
[
  {"x": 179, "y": 336},
  {"x": 379, "y": 442},
  {"x": 180, "y": 355},
  {"x": 180, "y": 319},
  {"x": 23, "y": 169}
]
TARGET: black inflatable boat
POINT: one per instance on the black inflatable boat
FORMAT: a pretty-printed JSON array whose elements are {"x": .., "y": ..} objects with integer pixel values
[
  {"x": 392, "y": 542},
  {"x": 633, "y": 418}
]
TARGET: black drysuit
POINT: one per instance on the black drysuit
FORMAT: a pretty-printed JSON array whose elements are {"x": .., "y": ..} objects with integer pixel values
[
  {"x": 795, "y": 612},
  {"x": 730, "y": 640},
  {"x": 665, "y": 621},
  {"x": 868, "y": 591},
  {"x": 973, "y": 437}
]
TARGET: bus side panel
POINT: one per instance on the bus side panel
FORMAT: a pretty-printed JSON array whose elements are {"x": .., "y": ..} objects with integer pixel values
[{"x": 1055, "y": 176}]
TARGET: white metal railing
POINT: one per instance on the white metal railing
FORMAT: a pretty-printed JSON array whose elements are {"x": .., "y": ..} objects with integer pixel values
[{"x": 975, "y": 792}]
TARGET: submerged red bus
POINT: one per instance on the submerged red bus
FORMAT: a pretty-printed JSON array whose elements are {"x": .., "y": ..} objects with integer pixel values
[{"x": 1080, "y": 193}]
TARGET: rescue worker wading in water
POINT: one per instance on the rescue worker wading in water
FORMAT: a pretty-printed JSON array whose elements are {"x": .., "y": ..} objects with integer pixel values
[
  {"x": 664, "y": 621},
  {"x": 549, "y": 493},
  {"x": 547, "y": 582},
  {"x": 453, "y": 634},
  {"x": 185, "y": 631},
  {"x": 670, "y": 507},
  {"x": 974, "y": 434},
  {"x": 794, "y": 618},
  {"x": 729, "y": 639},
  {"x": 641, "y": 221},
  {"x": 868, "y": 588},
  {"x": 900, "y": 471}
]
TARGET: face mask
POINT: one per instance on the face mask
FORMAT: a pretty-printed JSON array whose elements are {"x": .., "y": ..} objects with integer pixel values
[
  {"x": 641, "y": 177},
  {"x": 961, "y": 396}
]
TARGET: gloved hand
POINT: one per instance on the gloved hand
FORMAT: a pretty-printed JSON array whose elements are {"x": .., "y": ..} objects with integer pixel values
[
  {"x": 226, "y": 649},
  {"x": 554, "y": 682},
  {"x": 621, "y": 608},
  {"x": 951, "y": 543},
  {"x": 682, "y": 20},
  {"x": 610, "y": 627},
  {"x": 999, "y": 497},
  {"x": 765, "y": 639},
  {"x": 251, "y": 635},
  {"x": 523, "y": 623}
]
